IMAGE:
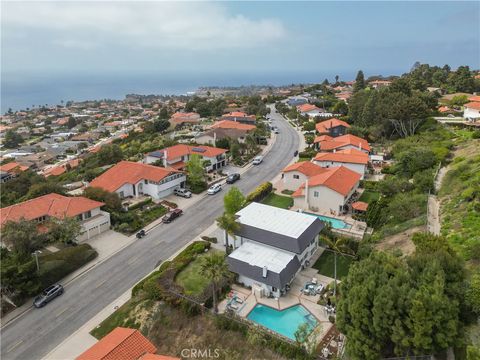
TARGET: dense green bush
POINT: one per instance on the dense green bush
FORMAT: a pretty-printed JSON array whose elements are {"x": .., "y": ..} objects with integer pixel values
[
  {"x": 140, "y": 204},
  {"x": 260, "y": 192},
  {"x": 55, "y": 266}
]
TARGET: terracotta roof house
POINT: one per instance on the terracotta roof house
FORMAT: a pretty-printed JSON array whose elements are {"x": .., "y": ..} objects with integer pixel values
[
  {"x": 310, "y": 110},
  {"x": 475, "y": 98},
  {"x": 296, "y": 174},
  {"x": 343, "y": 142},
  {"x": 471, "y": 111},
  {"x": 353, "y": 159},
  {"x": 133, "y": 179},
  {"x": 176, "y": 156},
  {"x": 228, "y": 124},
  {"x": 240, "y": 117},
  {"x": 375, "y": 84},
  {"x": 93, "y": 220},
  {"x": 182, "y": 118},
  {"x": 123, "y": 344},
  {"x": 332, "y": 127},
  {"x": 225, "y": 129},
  {"x": 329, "y": 191},
  {"x": 13, "y": 168},
  {"x": 360, "y": 206},
  {"x": 271, "y": 246}
]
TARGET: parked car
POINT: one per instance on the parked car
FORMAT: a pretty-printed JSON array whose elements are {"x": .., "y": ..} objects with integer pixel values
[
  {"x": 141, "y": 234},
  {"x": 182, "y": 192},
  {"x": 48, "y": 295},
  {"x": 257, "y": 160},
  {"x": 214, "y": 189},
  {"x": 276, "y": 131},
  {"x": 172, "y": 215},
  {"x": 232, "y": 178}
]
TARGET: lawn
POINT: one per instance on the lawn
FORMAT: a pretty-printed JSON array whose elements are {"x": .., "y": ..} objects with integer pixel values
[
  {"x": 190, "y": 278},
  {"x": 325, "y": 265},
  {"x": 369, "y": 196},
  {"x": 279, "y": 201}
]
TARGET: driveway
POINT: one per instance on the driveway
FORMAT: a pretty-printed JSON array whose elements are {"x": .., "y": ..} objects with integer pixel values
[{"x": 38, "y": 331}]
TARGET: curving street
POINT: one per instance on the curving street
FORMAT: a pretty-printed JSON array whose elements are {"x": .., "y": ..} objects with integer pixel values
[{"x": 38, "y": 331}]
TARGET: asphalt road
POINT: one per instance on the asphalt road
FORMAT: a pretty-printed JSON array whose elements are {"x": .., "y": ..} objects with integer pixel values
[{"x": 37, "y": 332}]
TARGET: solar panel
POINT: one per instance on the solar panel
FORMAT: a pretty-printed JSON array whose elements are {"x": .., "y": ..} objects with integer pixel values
[{"x": 200, "y": 150}]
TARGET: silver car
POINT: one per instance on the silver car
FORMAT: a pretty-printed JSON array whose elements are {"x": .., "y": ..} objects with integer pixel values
[{"x": 48, "y": 295}]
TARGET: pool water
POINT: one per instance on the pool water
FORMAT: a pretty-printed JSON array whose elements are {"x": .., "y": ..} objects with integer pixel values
[
  {"x": 336, "y": 223},
  {"x": 284, "y": 322}
]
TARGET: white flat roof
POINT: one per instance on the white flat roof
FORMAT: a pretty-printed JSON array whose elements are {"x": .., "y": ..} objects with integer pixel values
[
  {"x": 276, "y": 220},
  {"x": 260, "y": 255}
]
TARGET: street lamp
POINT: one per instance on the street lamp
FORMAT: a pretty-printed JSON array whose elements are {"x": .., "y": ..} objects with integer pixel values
[{"x": 35, "y": 253}]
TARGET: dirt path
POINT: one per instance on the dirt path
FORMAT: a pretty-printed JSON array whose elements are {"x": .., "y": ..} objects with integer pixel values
[
  {"x": 433, "y": 219},
  {"x": 402, "y": 241}
]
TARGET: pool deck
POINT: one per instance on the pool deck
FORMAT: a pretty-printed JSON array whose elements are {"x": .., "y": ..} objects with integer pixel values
[
  {"x": 293, "y": 297},
  {"x": 357, "y": 230}
]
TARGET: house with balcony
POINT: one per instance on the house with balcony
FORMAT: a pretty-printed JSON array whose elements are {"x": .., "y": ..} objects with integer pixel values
[
  {"x": 225, "y": 129},
  {"x": 294, "y": 175},
  {"x": 326, "y": 143},
  {"x": 352, "y": 159},
  {"x": 271, "y": 246},
  {"x": 92, "y": 219},
  {"x": 177, "y": 156},
  {"x": 332, "y": 127},
  {"x": 471, "y": 111},
  {"x": 132, "y": 179}
]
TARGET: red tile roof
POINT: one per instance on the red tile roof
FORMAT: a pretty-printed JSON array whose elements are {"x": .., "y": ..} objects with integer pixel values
[
  {"x": 307, "y": 108},
  {"x": 473, "y": 105},
  {"x": 54, "y": 171},
  {"x": 180, "y": 117},
  {"x": 228, "y": 124},
  {"x": 360, "y": 206},
  {"x": 305, "y": 167},
  {"x": 236, "y": 114},
  {"x": 176, "y": 151},
  {"x": 474, "y": 98},
  {"x": 344, "y": 140},
  {"x": 13, "y": 167},
  {"x": 325, "y": 126},
  {"x": 128, "y": 172},
  {"x": 339, "y": 179},
  {"x": 352, "y": 156},
  {"x": 157, "y": 357},
  {"x": 53, "y": 205},
  {"x": 120, "y": 344}
]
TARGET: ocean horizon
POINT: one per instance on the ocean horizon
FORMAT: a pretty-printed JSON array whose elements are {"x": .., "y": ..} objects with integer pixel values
[{"x": 21, "y": 91}]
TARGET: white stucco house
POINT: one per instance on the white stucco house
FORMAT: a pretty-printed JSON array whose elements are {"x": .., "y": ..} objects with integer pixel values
[
  {"x": 132, "y": 179},
  {"x": 327, "y": 143},
  {"x": 352, "y": 159},
  {"x": 296, "y": 174},
  {"x": 271, "y": 246},
  {"x": 472, "y": 111},
  {"x": 177, "y": 156},
  {"x": 93, "y": 220},
  {"x": 328, "y": 192}
]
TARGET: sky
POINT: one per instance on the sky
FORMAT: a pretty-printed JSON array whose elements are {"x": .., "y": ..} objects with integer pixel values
[{"x": 41, "y": 38}]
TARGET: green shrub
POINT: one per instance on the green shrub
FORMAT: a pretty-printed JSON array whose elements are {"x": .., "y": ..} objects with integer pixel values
[
  {"x": 55, "y": 266},
  {"x": 260, "y": 192},
  {"x": 140, "y": 204}
]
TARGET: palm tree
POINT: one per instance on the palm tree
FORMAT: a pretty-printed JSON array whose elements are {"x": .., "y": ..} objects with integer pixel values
[
  {"x": 214, "y": 268},
  {"x": 338, "y": 245},
  {"x": 229, "y": 225}
]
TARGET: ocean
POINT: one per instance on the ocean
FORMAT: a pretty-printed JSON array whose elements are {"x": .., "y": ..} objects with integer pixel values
[{"x": 21, "y": 91}]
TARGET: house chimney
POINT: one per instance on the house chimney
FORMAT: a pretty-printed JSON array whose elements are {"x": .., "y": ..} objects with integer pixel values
[
  {"x": 264, "y": 272},
  {"x": 165, "y": 158},
  {"x": 334, "y": 150},
  {"x": 360, "y": 146}
]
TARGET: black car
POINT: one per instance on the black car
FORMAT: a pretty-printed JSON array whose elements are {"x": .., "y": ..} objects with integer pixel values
[
  {"x": 141, "y": 234},
  {"x": 172, "y": 215},
  {"x": 48, "y": 295},
  {"x": 232, "y": 178}
]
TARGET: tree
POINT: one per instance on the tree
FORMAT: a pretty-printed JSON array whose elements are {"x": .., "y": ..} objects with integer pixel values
[
  {"x": 359, "y": 82},
  {"x": 22, "y": 237},
  {"x": 163, "y": 113},
  {"x": 71, "y": 122},
  {"x": 338, "y": 245},
  {"x": 112, "y": 200},
  {"x": 196, "y": 173},
  {"x": 228, "y": 223},
  {"x": 64, "y": 230},
  {"x": 336, "y": 79},
  {"x": 233, "y": 201},
  {"x": 161, "y": 125},
  {"x": 215, "y": 269},
  {"x": 473, "y": 293},
  {"x": 44, "y": 188},
  {"x": 109, "y": 154},
  {"x": 18, "y": 275},
  {"x": 12, "y": 139}
]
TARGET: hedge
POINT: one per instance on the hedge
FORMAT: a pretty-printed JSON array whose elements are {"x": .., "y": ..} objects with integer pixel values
[
  {"x": 55, "y": 266},
  {"x": 260, "y": 192},
  {"x": 140, "y": 204}
]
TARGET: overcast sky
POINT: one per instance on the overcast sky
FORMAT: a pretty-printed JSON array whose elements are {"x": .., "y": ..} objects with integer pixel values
[{"x": 236, "y": 37}]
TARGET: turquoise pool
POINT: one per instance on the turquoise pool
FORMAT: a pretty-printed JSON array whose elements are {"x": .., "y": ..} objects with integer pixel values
[
  {"x": 336, "y": 223},
  {"x": 284, "y": 322}
]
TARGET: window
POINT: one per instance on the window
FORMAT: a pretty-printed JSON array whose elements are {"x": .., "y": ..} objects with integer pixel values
[
  {"x": 146, "y": 181},
  {"x": 87, "y": 215},
  {"x": 316, "y": 194},
  {"x": 296, "y": 176}
]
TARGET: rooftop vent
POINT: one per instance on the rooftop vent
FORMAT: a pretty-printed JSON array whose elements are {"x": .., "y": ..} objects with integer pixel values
[
  {"x": 265, "y": 271},
  {"x": 200, "y": 150}
]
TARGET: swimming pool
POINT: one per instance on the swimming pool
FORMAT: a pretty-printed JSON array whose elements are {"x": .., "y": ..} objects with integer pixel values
[
  {"x": 336, "y": 223},
  {"x": 284, "y": 322}
]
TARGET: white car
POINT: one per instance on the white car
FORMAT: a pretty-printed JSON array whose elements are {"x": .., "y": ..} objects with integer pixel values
[
  {"x": 214, "y": 189},
  {"x": 257, "y": 160},
  {"x": 182, "y": 192}
]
